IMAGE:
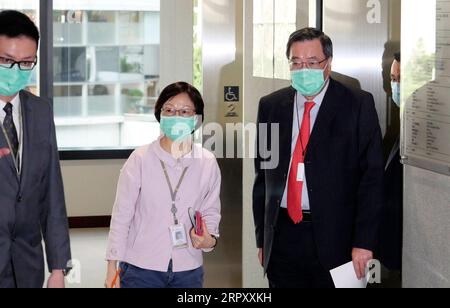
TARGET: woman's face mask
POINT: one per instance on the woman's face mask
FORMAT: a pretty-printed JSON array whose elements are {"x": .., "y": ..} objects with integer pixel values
[{"x": 177, "y": 128}]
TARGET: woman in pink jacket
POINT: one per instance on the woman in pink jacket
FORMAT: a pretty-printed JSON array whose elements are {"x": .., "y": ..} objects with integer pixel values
[{"x": 152, "y": 242}]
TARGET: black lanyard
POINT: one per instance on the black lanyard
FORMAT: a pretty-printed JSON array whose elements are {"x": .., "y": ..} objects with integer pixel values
[{"x": 173, "y": 194}]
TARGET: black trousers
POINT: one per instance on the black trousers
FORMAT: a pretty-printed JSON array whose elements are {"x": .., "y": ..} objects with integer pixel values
[{"x": 294, "y": 262}]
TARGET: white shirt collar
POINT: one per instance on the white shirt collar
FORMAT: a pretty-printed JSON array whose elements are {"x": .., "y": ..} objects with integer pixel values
[{"x": 15, "y": 102}]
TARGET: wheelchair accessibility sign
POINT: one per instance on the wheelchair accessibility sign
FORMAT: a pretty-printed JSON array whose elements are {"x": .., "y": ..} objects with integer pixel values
[
  {"x": 231, "y": 94},
  {"x": 231, "y": 98}
]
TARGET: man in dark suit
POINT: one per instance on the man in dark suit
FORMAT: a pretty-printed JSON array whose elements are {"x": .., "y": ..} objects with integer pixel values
[
  {"x": 319, "y": 208},
  {"x": 391, "y": 231},
  {"x": 32, "y": 202}
]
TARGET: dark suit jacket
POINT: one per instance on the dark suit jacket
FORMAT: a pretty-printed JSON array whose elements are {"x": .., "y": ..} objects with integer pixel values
[
  {"x": 32, "y": 206},
  {"x": 344, "y": 172},
  {"x": 389, "y": 249}
]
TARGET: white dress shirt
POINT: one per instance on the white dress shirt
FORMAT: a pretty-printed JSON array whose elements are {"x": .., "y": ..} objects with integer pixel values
[
  {"x": 17, "y": 109},
  {"x": 299, "y": 109}
]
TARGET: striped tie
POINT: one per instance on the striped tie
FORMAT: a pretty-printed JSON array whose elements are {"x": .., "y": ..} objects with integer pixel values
[{"x": 10, "y": 128}]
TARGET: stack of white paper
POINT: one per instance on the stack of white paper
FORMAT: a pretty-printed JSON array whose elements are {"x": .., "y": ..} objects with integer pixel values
[{"x": 344, "y": 277}]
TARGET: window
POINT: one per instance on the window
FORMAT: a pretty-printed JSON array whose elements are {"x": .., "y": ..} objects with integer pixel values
[
  {"x": 198, "y": 41},
  {"x": 273, "y": 22},
  {"x": 263, "y": 38},
  {"x": 106, "y": 73},
  {"x": 285, "y": 24}
]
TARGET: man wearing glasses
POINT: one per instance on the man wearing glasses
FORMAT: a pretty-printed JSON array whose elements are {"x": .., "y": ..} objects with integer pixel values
[
  {"x": 319, "y": 209},
  {"x": 32, "y": 205}
]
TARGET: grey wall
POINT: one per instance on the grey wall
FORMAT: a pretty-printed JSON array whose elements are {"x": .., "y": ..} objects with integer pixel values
[
  {"x": 222, "y": 66},
  {"x": 426, "y": 236},
  {"x": 426, "y": 255},
  {"x": 359, "y": 39}
]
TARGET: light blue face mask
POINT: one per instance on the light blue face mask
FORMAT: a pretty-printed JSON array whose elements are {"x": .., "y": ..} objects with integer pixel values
[
  {"x": 308, "y": 82},
  {"x": 396, "y": 93},
  {"x": 177, "y": 128},
  {"x": 12, "y": 80}
]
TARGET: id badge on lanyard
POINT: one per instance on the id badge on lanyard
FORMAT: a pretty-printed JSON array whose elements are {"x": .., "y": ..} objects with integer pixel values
[{"x": 178, "y": 234}]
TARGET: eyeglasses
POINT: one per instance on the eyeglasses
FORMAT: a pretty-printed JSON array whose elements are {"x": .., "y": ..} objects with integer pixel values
[
  {"x": 314, "y": 64},
  {"x": 23, "y": 65},
  {"x": 171, "y": 112}
]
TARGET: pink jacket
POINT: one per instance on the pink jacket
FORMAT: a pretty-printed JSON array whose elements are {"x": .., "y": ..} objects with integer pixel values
[{"x": 142, "y": 215}]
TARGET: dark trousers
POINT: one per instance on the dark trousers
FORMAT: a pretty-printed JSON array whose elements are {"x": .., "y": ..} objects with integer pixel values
[
  {"x": 7, "y": 278},
  {"x": 133, "y": 277},
  {"x": 294, "y": 262}
]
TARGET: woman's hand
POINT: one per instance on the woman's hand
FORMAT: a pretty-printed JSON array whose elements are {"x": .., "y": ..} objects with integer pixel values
[
  {"x": 111, "y": 276},
  {"x": 203, "y": 242}
]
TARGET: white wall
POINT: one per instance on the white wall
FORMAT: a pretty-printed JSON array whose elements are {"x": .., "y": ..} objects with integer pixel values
[{"x": 90, "y": 186}]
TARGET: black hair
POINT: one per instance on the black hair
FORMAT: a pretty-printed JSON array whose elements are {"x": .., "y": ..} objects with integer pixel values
[
  {"x": 310, "y": 34},
  {"x": 179, "y": 88},
  {"x": 14, "y": 24},
  {"x": 397, "y": 56}
]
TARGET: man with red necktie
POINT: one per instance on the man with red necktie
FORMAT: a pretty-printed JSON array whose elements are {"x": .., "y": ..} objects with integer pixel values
[{"x": 319, "y": 208}]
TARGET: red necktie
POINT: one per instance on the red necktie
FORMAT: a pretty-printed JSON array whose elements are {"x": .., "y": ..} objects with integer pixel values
[{"x": 295, "y": 187}]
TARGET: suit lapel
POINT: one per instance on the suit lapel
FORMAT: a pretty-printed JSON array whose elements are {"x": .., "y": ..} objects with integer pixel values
[
  {"x": 325, "y": 117},
  {"x": 285, "y": 118}
]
